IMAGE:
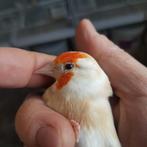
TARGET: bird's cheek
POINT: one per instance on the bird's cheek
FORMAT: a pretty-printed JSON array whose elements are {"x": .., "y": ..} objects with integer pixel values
[{"x": 64, "y": 79}]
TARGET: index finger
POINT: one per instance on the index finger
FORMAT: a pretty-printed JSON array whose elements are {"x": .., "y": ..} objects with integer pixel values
[
  {"x": 127, "y": 76},
  {"x": 18, "y": 68}
]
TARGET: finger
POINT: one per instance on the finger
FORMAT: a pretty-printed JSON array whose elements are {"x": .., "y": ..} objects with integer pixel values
[
  {"x": 125, "y": 73},
  {"x": 18, "y": 68},
  {"x": 37, "y": 125}
]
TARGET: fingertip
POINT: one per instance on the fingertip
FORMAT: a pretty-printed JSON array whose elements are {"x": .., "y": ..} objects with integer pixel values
[
  {"x": 90, "y": 41},
  {"x": 86, "y": 24},
  {"x": 83, "y": 32}
]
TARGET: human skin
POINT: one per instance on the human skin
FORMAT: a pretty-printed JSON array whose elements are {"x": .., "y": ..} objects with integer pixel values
[
  {"x": 129, "y": 81},
  {"x": 39, "y": 126}
]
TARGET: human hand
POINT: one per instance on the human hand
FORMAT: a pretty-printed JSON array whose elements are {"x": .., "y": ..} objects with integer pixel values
[
  {"x": 129, "y": 80},
  {"x": 18, "y": 70}
]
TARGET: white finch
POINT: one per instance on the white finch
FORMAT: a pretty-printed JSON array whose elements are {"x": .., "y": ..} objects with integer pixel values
[{"x": 81, "y": 94}]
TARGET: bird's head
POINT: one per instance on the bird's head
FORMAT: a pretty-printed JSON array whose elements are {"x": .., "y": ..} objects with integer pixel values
[{"x": 76, "y": 68}]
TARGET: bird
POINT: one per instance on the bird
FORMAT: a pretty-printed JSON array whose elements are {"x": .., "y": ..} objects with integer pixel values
[{"x": 81, "y": 93}]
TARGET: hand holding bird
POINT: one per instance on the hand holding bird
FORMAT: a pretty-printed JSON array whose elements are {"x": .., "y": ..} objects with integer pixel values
[{"x": 44, "y": 127}]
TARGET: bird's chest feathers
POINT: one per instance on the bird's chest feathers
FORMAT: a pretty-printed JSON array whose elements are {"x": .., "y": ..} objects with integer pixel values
[
  {"x": 84, "y": 110},
  {"x": 71, "y": 108}
]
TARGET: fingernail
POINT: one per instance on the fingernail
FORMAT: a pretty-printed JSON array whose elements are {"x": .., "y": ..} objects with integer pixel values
[{"x": 47, "y": 137}]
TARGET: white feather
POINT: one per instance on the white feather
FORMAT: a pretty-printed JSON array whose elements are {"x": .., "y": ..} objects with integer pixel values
[
  {"x": 100, "y": 136},
  {"x": 89, "y": 83}
]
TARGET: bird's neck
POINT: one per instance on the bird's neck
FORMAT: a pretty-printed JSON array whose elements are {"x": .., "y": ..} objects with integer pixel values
[{"x": 82, "y": 88}]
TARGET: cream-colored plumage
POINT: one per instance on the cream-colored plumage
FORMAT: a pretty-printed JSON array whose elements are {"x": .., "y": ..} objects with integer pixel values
[{"x": 81, "y": 94}]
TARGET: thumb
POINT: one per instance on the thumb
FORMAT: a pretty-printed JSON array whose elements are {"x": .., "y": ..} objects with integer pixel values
[
  {"x": 39, "y": 126},
  {"x": 127, "y": 75}
]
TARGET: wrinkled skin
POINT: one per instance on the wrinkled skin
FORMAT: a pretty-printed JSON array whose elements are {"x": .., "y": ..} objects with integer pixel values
[{"x": 39, "y": 126}]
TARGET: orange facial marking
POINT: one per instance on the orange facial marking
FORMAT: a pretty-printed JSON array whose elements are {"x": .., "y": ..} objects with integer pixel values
[
  {"x": 70, "y": 57},
  {"x": 63, "y": 80}
]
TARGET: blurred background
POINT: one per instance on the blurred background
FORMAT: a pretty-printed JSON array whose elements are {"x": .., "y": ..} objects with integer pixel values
[{"x": 49, "y": 26}]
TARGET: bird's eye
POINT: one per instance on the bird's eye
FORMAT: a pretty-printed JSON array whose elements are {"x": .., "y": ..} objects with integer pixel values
[{"x": 68, "y": 66}]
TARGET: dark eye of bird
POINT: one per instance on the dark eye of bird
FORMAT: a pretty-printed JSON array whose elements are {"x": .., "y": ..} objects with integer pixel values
[{"x": 68, "y": 66}]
